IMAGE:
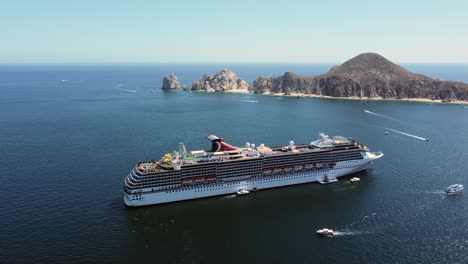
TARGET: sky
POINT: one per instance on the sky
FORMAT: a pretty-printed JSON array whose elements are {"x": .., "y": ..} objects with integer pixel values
[{"x": 240, "y": 31}]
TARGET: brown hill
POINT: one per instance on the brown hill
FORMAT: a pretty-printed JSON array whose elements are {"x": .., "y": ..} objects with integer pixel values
[{"x": 366, "y": 75}]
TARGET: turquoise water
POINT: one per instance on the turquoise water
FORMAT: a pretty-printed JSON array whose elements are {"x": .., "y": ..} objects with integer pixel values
[{"x": 69, "y": 135}]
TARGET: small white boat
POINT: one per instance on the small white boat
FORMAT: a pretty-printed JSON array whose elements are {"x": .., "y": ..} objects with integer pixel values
[
  {"x": 454, "y": 189},
  {"x": 242, "y": 192},
  {"x": 355, "y": 179},
  {"x": 386, "y": 132},
  {"x": 325, "y": 232}
]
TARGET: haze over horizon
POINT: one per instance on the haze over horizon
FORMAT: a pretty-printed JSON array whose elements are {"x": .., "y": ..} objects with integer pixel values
[{"x": 235, "y": 32}]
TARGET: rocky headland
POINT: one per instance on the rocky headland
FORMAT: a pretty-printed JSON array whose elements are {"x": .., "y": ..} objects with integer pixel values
[
  {"x": 223, "y": 81},
  {"x": 367, "y": 75},
  {"x": 170, "y": 82}
]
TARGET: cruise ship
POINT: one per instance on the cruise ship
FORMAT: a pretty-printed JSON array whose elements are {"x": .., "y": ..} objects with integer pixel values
[{"x": 226, "y": 169}]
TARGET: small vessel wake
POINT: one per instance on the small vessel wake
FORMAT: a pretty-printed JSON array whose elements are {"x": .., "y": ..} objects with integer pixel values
[
  {"x": 372, "y": 113},
  {"x": 118, "y": 87},
  {"x": 439, "y": 192},
  {"x": 348, "y": 233},
  {"x": 408, "y": 135},
  {"x": 128, "y": 91},
  {"x": 229, "y": 196}
]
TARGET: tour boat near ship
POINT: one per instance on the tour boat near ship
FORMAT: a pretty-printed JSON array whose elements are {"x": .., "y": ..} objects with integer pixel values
[
  {"x": 355, "y": 179},
  {"x": 226, "y": 169}
]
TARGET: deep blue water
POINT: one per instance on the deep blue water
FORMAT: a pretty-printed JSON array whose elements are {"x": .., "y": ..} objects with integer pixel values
[{"x": 69, "y": 134}]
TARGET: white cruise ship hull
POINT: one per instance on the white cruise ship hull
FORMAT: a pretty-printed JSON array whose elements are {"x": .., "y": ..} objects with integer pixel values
[{"x": 258, "y": 183}]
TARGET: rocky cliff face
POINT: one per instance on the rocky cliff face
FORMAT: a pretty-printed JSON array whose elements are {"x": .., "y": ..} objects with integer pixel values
[
  {"x": 170, "y": 82},
  {"x": 366, "y": 75},
  {"x": 222, "y": 81}
]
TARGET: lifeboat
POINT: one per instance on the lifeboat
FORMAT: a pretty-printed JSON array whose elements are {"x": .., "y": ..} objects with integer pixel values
[
  {"x": 277, "y": 170},
  {"x": 309, "y": 166},
  {"x": 188, "y": 180},
  {"x": 211, "y": 178},
  {"x": 287, "y": 169},
  {"x": 267, "y": 171},
  {"x": 199, "y": 179},
  {"x": 298, "y": 168}
]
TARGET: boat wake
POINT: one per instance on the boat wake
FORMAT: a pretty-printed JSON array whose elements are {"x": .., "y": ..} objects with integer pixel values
[
  {"x": 128, "y": 91},
  {"x": 229, "y": 196},
  {"x": 349, "y": 233},
  {"x": 440, "y": 192},
  {"x": 408, "y": 135},
  {"x": 118, "y": 87},
  {"x": 372, "y": 113},
  {"x": 364, "y": 218}
]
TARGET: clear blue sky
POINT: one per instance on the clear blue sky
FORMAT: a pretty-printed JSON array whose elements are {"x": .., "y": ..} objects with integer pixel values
[{"x": 232, "y": 31}]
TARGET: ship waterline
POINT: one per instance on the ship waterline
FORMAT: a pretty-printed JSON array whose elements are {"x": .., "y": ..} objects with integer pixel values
[{"x": 227, "y": 169}]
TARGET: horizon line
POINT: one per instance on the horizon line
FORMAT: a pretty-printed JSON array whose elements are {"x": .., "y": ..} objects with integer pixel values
[{"x": 191, "y": 62}]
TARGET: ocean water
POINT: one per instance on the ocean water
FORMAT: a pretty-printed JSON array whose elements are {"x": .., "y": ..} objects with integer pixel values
[{"x": 69, "y": 134}]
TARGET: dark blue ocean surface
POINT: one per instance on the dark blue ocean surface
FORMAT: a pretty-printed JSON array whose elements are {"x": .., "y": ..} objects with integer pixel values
[{"x": 69, "y": 134}]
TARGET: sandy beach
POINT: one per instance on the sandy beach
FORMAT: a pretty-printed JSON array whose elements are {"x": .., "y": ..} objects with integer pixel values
[{"x": 300, "y": 95}]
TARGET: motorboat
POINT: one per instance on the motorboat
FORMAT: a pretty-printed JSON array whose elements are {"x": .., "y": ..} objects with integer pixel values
[
  {"x": 325, "y": 232},
  {"x": 454, "y": 189},
  {"x": 242, "y": 192},
  {"x": 386, "y": 132},
  {"x": 355, "y": 179}
]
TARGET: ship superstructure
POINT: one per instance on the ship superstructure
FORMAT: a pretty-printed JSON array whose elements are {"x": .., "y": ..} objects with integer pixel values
[{"x": 226, "y": 169}]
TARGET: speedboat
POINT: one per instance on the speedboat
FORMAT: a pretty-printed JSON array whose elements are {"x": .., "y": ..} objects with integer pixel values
[
  {"x": 242, "y": 192},
  {"x": 325, "y": 232},
  {"x": 386, "y": 133},
  {"x": 355, "y": 179},
  {"x": 454, "y": 189}
]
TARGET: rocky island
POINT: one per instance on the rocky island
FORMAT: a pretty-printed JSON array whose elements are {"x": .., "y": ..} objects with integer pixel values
[
  {"x": 170, "y": 82},
  {"x": 367, "y": 75},
  {"x": 223, "y": 81}
]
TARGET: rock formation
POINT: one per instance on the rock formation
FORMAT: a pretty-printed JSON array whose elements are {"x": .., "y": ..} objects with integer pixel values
[
  {"x": 222, "y": 81},
  {"x": 170, "y": 82},
  {"x": 262, "y": 84},
  {"x": 366, "y": 75}
]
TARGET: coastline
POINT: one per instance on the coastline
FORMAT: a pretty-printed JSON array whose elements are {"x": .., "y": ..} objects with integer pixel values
[{"x": 302, "y": 95}]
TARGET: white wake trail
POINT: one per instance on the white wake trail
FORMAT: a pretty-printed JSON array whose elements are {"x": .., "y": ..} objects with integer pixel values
[
  {"x": 372, "y": 113},
  {"x": 408, "y": 135},
  {"x": 128, "y": 91}
]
